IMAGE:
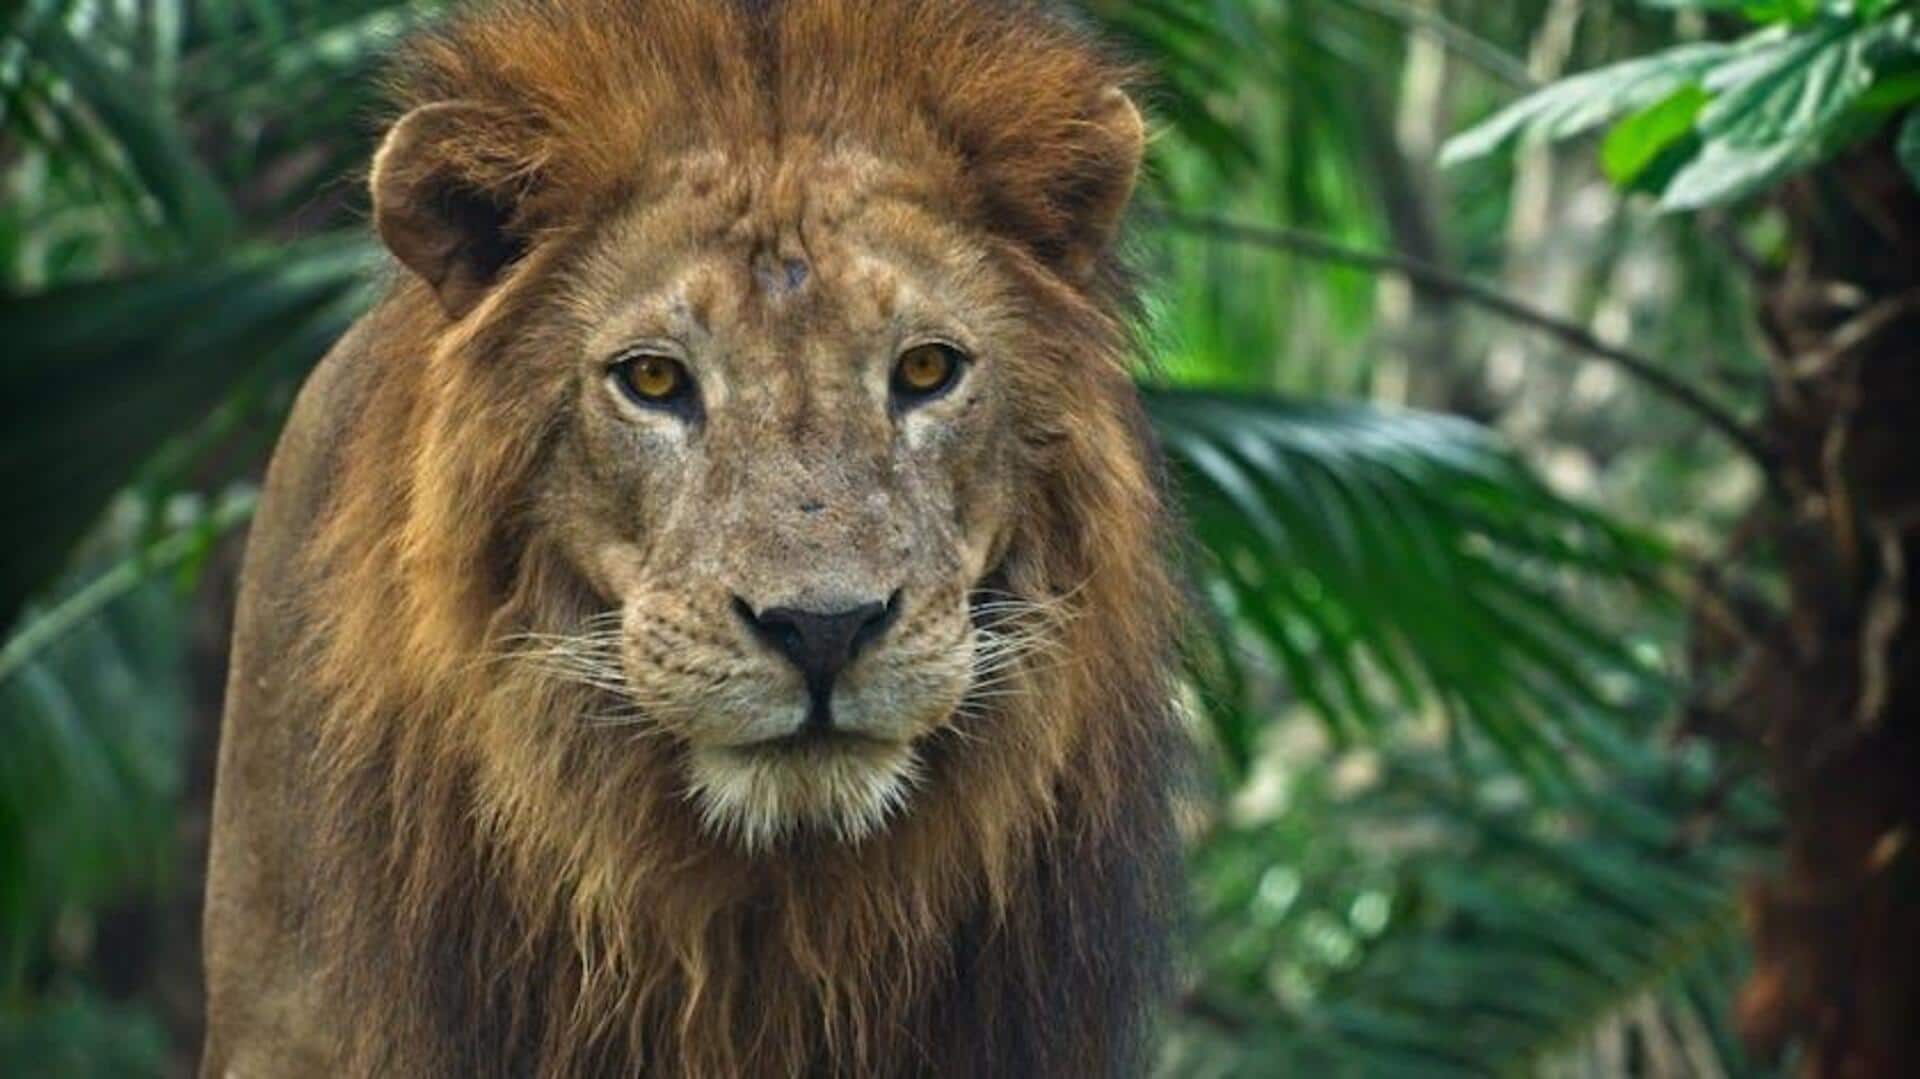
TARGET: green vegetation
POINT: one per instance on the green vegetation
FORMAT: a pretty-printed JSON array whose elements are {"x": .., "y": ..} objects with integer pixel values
[{"x": 1458, "y": 446}]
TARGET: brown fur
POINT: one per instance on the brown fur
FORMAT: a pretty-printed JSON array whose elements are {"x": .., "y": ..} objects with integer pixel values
[{"x": 424, "y": 865}]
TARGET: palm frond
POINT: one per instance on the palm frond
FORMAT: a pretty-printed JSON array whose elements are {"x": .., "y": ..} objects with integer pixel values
[
  {"x": 1480, "y": 933},
  {"x": 93, "y": 726},
  {"x": 101, "y": 375},
  {"x": 1395, "y": 563},
  {"x": 69, "y": 98}
]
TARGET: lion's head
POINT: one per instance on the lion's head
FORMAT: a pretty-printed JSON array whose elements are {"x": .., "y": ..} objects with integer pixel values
[
  {"x": 796, "y": 391},
  {"x": 754, "y": 492}
]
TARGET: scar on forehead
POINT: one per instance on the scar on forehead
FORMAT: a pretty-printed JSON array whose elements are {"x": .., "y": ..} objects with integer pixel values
[{"x": 779, "y": 275}]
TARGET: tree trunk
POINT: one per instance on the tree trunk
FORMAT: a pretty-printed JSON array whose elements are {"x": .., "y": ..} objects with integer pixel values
[{"x": 1834, "y": 691}]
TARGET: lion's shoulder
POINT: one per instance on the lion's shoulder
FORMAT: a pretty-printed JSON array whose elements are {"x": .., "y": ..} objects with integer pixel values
[{"x": 259, "y": 973}]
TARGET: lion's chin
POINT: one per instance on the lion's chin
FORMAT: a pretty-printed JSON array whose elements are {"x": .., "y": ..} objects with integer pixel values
[{"x": 845, "y": 786}]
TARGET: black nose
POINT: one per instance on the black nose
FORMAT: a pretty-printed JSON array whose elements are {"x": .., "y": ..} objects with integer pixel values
[{"x": 820, "y": 643}]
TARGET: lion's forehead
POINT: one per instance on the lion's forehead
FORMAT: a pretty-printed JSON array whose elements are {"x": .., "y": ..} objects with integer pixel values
[
  {"x": 807, "y": 248},
  {"x": 744, "y": 199}
]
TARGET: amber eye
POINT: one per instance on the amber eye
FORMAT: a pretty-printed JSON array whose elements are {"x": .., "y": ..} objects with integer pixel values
[
  {"x": 652, "y": 380},
  {"x": 925, "y": 371}
]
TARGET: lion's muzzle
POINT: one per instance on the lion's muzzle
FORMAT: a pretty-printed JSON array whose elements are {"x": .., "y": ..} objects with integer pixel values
[{"x": 821, "y": 643}]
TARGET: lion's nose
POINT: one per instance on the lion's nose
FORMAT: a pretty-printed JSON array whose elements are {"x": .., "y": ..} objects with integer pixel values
[{"x": 820, "y": 643}]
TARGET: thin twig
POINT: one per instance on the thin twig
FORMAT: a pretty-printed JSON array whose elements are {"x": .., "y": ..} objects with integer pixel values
[
  {"x": 1458, "y": 40},
  {"x": 1450, "y": 285}
]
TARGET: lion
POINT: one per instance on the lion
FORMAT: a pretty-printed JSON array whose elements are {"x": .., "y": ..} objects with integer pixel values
[{"x": 716, "y": 614}]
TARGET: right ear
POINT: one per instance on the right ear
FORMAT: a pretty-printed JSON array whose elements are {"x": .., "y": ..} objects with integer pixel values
[{"x": 439, "y": 219}]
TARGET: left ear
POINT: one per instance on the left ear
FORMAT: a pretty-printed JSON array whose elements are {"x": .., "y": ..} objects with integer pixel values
[{"x": 439, "y": 204}]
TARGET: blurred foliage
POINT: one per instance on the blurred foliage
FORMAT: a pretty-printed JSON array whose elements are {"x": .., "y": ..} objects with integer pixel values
[
  {"x": 1466, "y": 930},
  {"x": 84, "y": 1037},
  {"x": 93, "y": 714},
  {"x": 92, "y": 731},
  {"x": 1448, "y": 833},
  {"x": 1702, "y": 124}
]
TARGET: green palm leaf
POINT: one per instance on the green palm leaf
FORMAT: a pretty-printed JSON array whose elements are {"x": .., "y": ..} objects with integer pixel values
[
  {"x": 92, "y": 726},
  {"x": 66, "y": 97},
  {"x": 1394, "y": 562},
  {"x": 99, "y": 376}
]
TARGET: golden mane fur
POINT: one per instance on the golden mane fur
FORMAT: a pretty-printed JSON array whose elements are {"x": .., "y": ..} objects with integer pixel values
[{"x": 503, "y": 893}]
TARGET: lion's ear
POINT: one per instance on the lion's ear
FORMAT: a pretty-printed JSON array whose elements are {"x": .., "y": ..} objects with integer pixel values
[
  {"x": 434, "y": 211},
  {"x": 1104, "y": 174}
]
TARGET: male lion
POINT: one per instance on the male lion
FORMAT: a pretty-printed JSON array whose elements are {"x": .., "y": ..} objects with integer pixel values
[{"x": 712, "y": 617}]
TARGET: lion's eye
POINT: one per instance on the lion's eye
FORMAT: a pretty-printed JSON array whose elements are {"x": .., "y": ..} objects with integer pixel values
[
  {"x": 652, "y": 380},
  {"x": 923, "y": 372}
]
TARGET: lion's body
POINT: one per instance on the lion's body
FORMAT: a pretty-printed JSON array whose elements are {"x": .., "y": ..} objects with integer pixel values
[{"x": 424, "y": 864}]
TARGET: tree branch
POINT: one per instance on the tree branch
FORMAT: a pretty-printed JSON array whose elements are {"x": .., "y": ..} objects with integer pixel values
[{"x": 1443, "y": 283}]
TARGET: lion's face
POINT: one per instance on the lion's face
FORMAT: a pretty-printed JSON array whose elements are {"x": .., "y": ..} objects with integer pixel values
[
  {"x": 814, "y": 376},
  {"x": 789, "y": 468}
]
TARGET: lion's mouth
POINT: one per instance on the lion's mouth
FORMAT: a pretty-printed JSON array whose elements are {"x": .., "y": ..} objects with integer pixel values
[{"x": 814, "y": 739}]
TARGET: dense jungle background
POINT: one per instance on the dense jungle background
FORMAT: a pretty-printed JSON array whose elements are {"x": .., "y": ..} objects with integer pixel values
[{"x": 1539, "y": 378}]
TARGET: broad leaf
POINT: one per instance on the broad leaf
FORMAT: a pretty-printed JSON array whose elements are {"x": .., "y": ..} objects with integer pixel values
[
  {"x": 1778, "y": 108},
  {"x": 1583, "y": 102},
  {"x": 1724, "y": 171},
  {"x": 1637, "y": 141},
  {"x": 1709, "y": 124},
  {"x": 1792, "y": 87}
]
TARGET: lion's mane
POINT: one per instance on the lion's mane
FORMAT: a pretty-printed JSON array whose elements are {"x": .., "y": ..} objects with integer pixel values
[{"x": 509, "y": 891}]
